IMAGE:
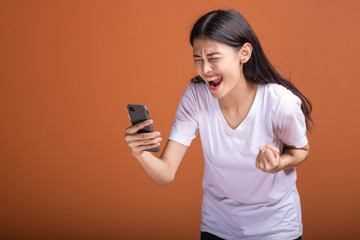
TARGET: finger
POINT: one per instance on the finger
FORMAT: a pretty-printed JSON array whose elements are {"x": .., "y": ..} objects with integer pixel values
[
  {"x": 267, "y": 164},
  {"x": 265, "y": 160},
  {"x": 262, "y": 148},
  {"x": 261, "y": 165},
  {"x": 145, "y": 147},
  {"x": 275, "y": 149},
  {"x": 270, "y": 149},
  {"x": 261, "y": 160},
  {"x": 144, "y": 142},
  {"x": 137, "y": 148},
  {"x": 141, "y": 137},
  {"x": 137, "y": 127},
  {"x": 149, "y": 141},
  {"x": 262, "y": 153},
  {"x": 269, "y": 154},
  {"x": 257, "y": 162},
  {"x": 271, "y": 161},
  {"x": 261, "y": 156}
]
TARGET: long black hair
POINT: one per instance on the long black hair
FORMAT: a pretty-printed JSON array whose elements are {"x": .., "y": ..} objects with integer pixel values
[{"x": 229, "y": 27}]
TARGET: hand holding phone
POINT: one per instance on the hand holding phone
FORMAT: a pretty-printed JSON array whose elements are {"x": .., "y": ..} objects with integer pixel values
[{"x": 138, "y": 114}]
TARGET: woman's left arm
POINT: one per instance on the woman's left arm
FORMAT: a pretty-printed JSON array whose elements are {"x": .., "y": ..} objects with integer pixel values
[{"x": 269, "y": 158}]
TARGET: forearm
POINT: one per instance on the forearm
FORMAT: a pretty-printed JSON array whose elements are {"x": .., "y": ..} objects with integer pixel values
[
  {"x": 157, "y": 169},
  {"x": 292, "y": 157},
  {"x": 161, "y": 170}
]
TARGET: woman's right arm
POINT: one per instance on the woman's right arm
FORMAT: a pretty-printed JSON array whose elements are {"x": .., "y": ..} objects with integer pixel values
[{"x": 161, "y": 170}]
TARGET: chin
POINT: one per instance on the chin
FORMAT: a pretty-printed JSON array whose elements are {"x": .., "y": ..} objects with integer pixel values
[{"x": 217, "y": 95}]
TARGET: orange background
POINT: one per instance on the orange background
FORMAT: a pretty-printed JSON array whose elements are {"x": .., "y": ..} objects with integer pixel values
[{"x": 69, "y": 68}]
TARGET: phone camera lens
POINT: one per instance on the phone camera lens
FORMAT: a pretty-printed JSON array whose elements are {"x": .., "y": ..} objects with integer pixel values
[{"x": 131, "y": 109}]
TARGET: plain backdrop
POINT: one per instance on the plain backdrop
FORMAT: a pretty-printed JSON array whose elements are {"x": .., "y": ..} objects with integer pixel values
[{"x": 69, "y": 68}]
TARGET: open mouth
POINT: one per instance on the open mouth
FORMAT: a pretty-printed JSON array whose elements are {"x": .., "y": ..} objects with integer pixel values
[{"x": 214, "y": 82}]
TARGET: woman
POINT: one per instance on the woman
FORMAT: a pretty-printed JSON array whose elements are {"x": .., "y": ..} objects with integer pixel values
[{"x": 252, "y": 123}]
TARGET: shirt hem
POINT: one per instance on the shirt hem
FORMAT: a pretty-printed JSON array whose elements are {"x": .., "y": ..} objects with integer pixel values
[{"x": 271, "y": 237}]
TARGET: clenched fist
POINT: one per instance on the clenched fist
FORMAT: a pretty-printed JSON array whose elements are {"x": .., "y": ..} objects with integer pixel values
[{"x": 268, "y": 159}]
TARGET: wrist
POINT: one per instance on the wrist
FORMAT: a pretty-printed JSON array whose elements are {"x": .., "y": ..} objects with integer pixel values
[{"x": 284, "y": 163}]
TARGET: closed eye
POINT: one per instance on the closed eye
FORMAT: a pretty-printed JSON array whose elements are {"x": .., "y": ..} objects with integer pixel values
[{"x": 210, "y": 59}]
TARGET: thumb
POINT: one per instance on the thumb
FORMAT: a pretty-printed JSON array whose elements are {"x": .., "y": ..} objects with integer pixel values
[
  {"x": 262, "y": 148},
  {"x": 270, "y": 151},
  {"x": 274, "y": 149}
]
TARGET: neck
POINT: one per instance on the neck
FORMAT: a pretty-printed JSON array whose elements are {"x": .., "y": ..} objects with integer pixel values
[{"x": 241, "y": 97}]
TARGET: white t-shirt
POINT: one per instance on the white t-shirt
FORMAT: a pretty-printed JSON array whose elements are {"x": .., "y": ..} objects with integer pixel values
[{"x": 239, "y": 200}]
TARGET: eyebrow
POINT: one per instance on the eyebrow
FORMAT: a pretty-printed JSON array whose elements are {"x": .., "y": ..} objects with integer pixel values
[{"x": 209, "y": 55}]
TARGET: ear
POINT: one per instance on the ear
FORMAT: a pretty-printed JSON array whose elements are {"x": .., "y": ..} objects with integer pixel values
[{"x": 245, "y": 52}]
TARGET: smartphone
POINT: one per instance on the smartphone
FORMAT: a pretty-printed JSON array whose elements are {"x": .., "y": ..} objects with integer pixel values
[{"x": 139, "y": 113}]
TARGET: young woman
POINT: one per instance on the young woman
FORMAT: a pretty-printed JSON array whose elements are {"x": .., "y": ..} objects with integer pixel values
[{"x": 252, "y": 123}]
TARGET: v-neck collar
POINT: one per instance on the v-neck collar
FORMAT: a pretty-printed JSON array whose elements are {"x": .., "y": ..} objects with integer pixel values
[{"x": 248, "y": 118}]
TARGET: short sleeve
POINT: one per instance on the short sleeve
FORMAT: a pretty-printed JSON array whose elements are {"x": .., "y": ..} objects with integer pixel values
[
  {"x": 185, "y": 125},
  {"x": 290, "y": 121}
]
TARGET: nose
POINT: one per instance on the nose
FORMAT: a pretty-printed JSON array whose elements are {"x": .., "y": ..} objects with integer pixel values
[{"x": 206, "y": 67}]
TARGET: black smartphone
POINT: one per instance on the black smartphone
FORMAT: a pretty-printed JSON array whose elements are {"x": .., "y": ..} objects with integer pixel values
[{"x": 139, "y": 113}]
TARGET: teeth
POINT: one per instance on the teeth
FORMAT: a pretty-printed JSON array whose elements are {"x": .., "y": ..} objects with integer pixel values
[{"x": 213, "y": 78}]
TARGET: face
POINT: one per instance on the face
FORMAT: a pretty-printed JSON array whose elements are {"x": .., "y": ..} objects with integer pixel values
[{"x": 218, "y": 65}]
